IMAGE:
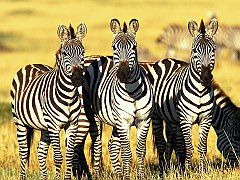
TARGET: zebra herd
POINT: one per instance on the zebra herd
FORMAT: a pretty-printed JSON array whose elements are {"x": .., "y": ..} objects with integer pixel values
[{"x": 81, "y": 93}]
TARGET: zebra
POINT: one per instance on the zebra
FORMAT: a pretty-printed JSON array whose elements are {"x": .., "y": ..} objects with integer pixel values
[
  {"x": 185, "y": 96},
  {"x": 47, "y": 99},
  {"x": 176, "y": 38},
  {"x": 113, "y": 85},
  {"x": 226, "y": 123}
]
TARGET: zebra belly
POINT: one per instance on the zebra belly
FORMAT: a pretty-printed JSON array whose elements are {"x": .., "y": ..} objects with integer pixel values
[{"x": 30, "y": 115}]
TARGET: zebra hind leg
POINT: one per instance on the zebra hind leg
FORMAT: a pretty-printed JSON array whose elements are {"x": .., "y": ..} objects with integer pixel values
[
  {"x": 159, "y": 141},
  {"x": 42, "y": 153},
  {"x": 24, "y": 136},
  {"x": 114, "y": 146}
]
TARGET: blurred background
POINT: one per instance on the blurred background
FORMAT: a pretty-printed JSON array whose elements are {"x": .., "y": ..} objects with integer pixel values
[
  {"x": 28, "y": 27},
  {"x": 28, "y": 34}
]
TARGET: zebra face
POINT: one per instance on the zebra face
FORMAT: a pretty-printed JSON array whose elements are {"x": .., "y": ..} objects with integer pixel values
[
  {"x": 203, "y": 50},
  {"x": 72, "y": 52},
  {"x": 124, "y": 48}
]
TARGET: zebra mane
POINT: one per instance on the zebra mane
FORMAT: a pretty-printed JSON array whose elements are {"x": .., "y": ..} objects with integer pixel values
[
  {"x": 71, "y": 31},
  {"x": 202, "y": 28},
  {"x": 58, "y": 54},
  {"x": 124, "y": 27}
]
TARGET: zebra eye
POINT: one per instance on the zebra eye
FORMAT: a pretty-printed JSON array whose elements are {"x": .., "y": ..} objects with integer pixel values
[
  {"x": 194, "y": 50},
  {"x": 64, "y": 53},
  {"x": 114, "y": 48}
]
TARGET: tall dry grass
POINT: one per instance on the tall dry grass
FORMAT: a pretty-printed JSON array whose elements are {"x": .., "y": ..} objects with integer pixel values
[{"x": 28, "y": 35}]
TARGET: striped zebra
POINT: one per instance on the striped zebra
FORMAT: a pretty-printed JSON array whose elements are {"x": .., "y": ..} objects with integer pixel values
[
  {"x": 226, "y": 123},
  {"x": 118, "y": 93},
  {"x": 47, "y": 99},
  {"x": 185, "y": 96}
]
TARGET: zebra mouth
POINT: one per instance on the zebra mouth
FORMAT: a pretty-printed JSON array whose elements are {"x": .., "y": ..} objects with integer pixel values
[
  {"x": 77, "y": 77},
  {"x": 123, "y": 72},
  {"x": 206, "y": 76}
]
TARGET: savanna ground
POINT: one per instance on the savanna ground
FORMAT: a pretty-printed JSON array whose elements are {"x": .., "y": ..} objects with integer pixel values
[{"x": 28, "y": 35}]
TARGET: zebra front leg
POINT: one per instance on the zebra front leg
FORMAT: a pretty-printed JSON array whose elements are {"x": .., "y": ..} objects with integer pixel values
[
  {"x": 159, "y": 141},
  {"x": 142, "y": 130},
  {"x": 42, "y": 153},
  {"x": 123, "y": 130},
  {"x": 24, "y": 136},
  {"x": 114, "y": 146},
  {"x": 71, "y": 135},
  {"x": 187, "y": 135},
  {"x": 202, "y": 146},
  {"x": 58, "y": 158}
]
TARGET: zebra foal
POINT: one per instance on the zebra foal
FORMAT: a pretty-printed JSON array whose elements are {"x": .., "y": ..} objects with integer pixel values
[{"x": 47, "y": 99}]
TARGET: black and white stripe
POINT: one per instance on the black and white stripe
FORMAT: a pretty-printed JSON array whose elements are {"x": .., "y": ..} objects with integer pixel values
[
  {"x": 185, "y": 95},
  {"x": 119, "y": 93},
  {"x": 47, "y": 99},
  {"x": 226, "y": 123}
]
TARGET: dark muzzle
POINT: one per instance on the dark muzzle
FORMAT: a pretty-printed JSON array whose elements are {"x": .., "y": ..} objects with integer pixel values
[
  {"x": 123, "y": 72},
  {"x": 206, "y": 76},
  {"x": 77, "y": 76}
]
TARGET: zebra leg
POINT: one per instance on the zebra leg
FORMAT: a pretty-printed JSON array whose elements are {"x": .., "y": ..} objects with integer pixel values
[
  {"x": 42, "y": 153},
  {"x": 126, "y": 154},
  {"x": 79, "y": 160},
  {"x": 58, "y": 158},
  {"x": 159, "y": 140},
  {"x": 96, "y": 148},
  {"x": 202, "y": 146},
  {"x": 180, "y": 149},
  {"x": 170, "y": 134},
  {"x": 71, "y": 135},
  {"x": 187, "y": 135},
  {"x": 23, "y": 149},
  {"x": 114, "y": 150},
  {"x": 142, "y": 130}
]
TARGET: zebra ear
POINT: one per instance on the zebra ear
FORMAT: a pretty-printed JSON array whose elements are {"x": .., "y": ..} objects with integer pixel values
[
  {"x": 212, "y": 27},
  {"x": 63, "y": 33},
  {"x": 133, "y": 26},
  {"x": 115, "y": 26},
  {"x": 81, "y": 31},
  {"x": 193, "y": 28}
]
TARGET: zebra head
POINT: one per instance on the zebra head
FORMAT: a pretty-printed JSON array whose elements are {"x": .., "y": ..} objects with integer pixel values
[
  {"x": 203, "y": 49},
  {"x": 124, "y": 48},
  {"x": 71, "y": 52}
]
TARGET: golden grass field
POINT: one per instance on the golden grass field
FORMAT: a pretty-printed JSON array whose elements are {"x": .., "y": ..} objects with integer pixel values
[{"x": 28, "y": 35}]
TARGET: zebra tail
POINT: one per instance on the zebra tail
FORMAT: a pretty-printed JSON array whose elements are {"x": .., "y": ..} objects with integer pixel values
[{"x": 30, "y": 133}]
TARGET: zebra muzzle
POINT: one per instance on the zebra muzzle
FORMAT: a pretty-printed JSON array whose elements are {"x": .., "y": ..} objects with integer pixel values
[
  {"x": 206, "y": 76},
  {"x": 123, "y": 72},
  {"x": 77, "y": 76}
]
